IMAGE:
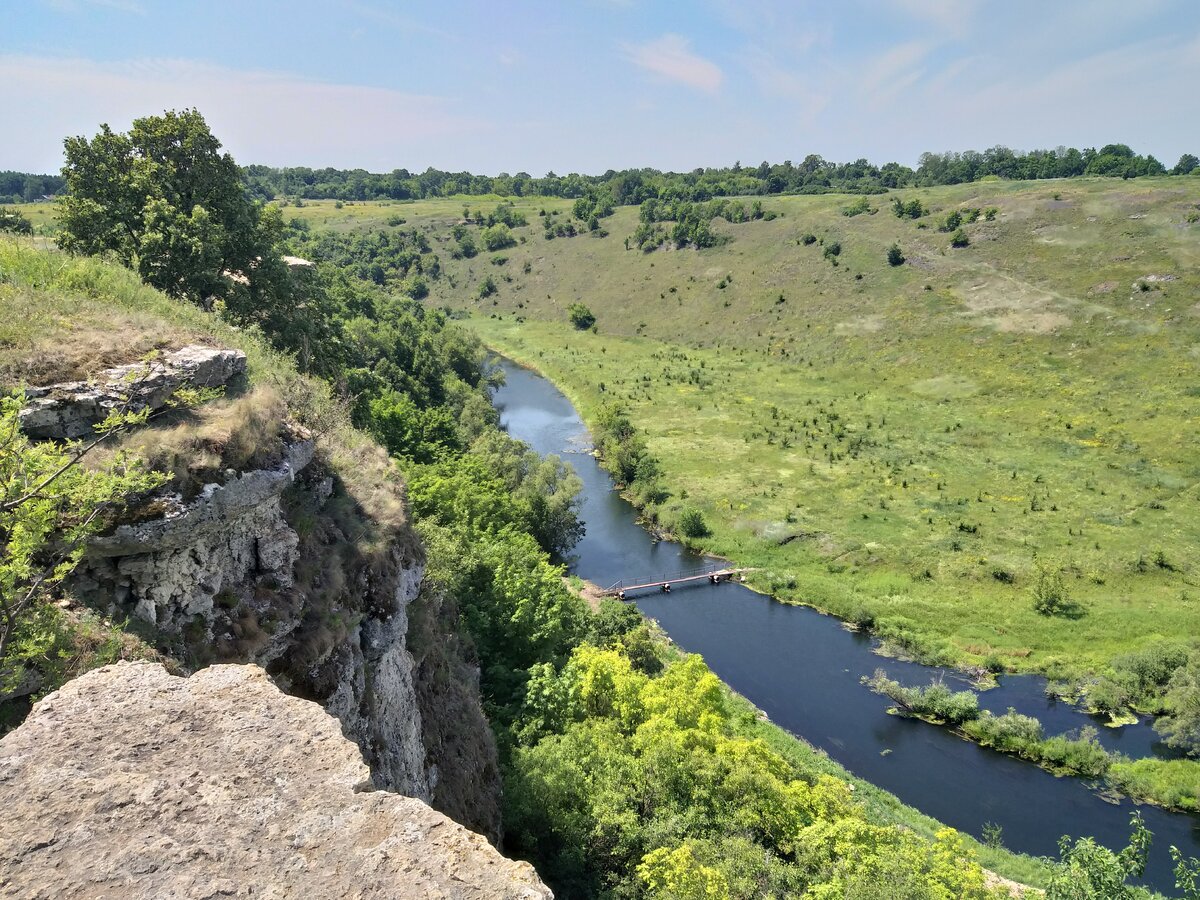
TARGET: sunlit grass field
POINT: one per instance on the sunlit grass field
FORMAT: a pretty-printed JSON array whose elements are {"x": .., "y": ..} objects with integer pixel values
[{"x": 911, "y": 445}]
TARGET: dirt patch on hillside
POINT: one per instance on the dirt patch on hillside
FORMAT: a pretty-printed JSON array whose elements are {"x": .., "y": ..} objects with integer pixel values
[
  {"x": 861, "y": 325},
  {"x": 1029, "y": 322},
  {"x": 1104, "y": 287},
  {"x": 945, "y": 387},
  {"x": 1012, "y": 306},
  {"x": 590, "y": 592}
]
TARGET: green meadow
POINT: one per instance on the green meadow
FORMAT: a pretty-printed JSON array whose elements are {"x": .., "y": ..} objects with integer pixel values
[{"x": 910, "y": 445}]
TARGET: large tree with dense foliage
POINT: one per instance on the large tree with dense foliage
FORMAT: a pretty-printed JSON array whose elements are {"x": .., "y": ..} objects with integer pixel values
[{"x": 165, "y": 201}]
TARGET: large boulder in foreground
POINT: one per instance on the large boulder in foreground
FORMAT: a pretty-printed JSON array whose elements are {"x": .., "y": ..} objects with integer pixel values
[{"x": 130, "y": 782}]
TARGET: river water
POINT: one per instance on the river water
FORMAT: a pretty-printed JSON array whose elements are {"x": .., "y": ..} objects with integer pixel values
[{"x": 803, "y": 668}]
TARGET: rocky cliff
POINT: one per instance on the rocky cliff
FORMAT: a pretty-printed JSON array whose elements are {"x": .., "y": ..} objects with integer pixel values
[
  {"x": 273, "y": 547},
  {"x": 129, "y": 782}
]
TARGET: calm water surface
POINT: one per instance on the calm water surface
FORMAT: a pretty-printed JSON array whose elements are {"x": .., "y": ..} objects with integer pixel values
[{"x": 802, "y": 669}]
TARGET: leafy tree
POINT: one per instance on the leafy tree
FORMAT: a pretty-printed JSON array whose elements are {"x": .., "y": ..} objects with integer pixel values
[
  {"x": 678, "y": 875},
  {"x": 546, "y": 489},
  {"x": 11, "y": 220},
  {"x": 1181, "y": 727},
  {"x": 952, "y": 222},
  {"x": 1089, "y": 871},
  {"x": 895, "y": 256},
  {"x": 165, "y": 201},
  {"x": 49, "y": 506},
  {"x": 959, "y": 239},
  {"x": 1187, "y": 164},
  {"x": 487, "y": 287},
  {"x": 497, "y": 237},
  {"x": 692, "y": 524},
  {"x": 1050, "y": 596},
  {"x": 913, "y": 209},
  {"x": 407, "y": 430},
  {"x": 581, "y": 317}
]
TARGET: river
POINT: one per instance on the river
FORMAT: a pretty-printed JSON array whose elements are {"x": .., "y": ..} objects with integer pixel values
[{"x": 802, "y": 669}]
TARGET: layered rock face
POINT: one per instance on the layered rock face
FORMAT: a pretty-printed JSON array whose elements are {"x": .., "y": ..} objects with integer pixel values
[
  {"x": 269, "y": 566},
  {"x": 129, "y": 782},
  {"x": 71, "y": 409}
]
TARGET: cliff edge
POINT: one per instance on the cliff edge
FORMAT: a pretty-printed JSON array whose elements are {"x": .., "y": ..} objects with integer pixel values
[{"x": 130, "y": 782}]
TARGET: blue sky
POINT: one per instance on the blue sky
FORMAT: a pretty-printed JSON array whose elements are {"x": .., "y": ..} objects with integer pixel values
[{"x": 586, "y": 85}]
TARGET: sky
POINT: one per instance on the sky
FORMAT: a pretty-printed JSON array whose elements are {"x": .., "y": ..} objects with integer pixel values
[{"x": 589, "y": 85}]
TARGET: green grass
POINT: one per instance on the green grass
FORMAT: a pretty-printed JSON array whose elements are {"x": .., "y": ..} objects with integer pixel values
[
  {"x": 862, "y": 529},
  {"x": 1031, "y": 405}
]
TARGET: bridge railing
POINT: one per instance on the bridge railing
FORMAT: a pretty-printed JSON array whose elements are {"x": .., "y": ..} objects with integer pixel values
[{"x": 699, "y": 572}]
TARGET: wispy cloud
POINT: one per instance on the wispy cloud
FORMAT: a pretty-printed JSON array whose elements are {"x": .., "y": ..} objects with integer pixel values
[
  {"x": 670, "y": 57},
  {"x": 392, "y": 19},
  {"x": 262, "y": 116},
  {"x": 776, "y": 79},
  {"x": 73, "y": 6},
  {"x": 896, "y": 69},
  {"x": 954, "y": 17}
]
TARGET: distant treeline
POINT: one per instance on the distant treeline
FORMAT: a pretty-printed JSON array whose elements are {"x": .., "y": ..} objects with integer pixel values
[
  {"x": 813, "y": 175},
  {"x": 20, "y": 187}
]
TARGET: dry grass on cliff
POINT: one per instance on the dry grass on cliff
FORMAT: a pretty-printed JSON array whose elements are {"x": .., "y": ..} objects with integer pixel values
[
  {"x": 196, "y": 447},
  {"x": 64, "y": 317},
  {"x": 59, "y": 321}
]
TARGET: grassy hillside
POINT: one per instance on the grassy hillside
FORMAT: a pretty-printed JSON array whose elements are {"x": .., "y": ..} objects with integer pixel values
[
  {"x": 63, "y": 317},
  {"x": 908, "y": 444}
]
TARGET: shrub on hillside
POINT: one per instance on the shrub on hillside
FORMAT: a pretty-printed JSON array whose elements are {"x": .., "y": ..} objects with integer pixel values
[
  {"x": 581, "y": 317},
  {"x": 692, "y": 524},
  {"x": 11, "y": 220}
]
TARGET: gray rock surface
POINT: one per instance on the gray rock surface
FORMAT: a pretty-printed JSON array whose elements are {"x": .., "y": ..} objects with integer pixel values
[
  {"x": 171, "y": 569},
  {"x": 129, "y": 782},
  {"x": 203, "y": 570},
  {"x": 71, "y": 409}
]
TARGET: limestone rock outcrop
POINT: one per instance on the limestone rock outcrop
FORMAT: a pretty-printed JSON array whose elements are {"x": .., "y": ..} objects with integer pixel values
[
  {"x": 173, "y": 568},
  {"x": 130, "y": 782},
  {"x": 217, "y": 579},
  {"x": 70, "y": 410}
]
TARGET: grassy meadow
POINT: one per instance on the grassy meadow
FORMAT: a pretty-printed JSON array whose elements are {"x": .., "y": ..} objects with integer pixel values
[
  {"x": 906, "y": 444},
  {"x": 909, "y": 445}
]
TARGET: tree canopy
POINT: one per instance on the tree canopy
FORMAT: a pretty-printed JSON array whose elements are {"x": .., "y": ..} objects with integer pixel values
[{"x": 165, "y": 201}]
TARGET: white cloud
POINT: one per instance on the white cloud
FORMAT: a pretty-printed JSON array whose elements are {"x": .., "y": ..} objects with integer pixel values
[
  {"x": 670, "y": 57},
  {"x": 896, "y": 70},
  {"x": 261, "y": 116},
  {"x": 951, "y": 16}
]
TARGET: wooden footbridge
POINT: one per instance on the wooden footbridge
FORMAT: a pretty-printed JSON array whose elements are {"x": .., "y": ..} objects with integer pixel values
[{"x": 713, "y": 574}]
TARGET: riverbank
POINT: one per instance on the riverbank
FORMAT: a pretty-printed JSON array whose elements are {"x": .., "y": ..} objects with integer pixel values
[
  {"x": 802, "y": 669},
  {"x": 881, "y": 564},
  {"x": 1018, "y": 872}
]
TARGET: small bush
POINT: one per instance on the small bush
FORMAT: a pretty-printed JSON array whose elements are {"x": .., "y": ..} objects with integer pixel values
[
  {"x": 11, "y": 220},
  {"x": 692, "y": 524},
  {"x": 1050, "y": 597},
  {"x": 959, "y": 239},
  {"x": 895, "y": 256},
  {"x": 581, "y": 317}
]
